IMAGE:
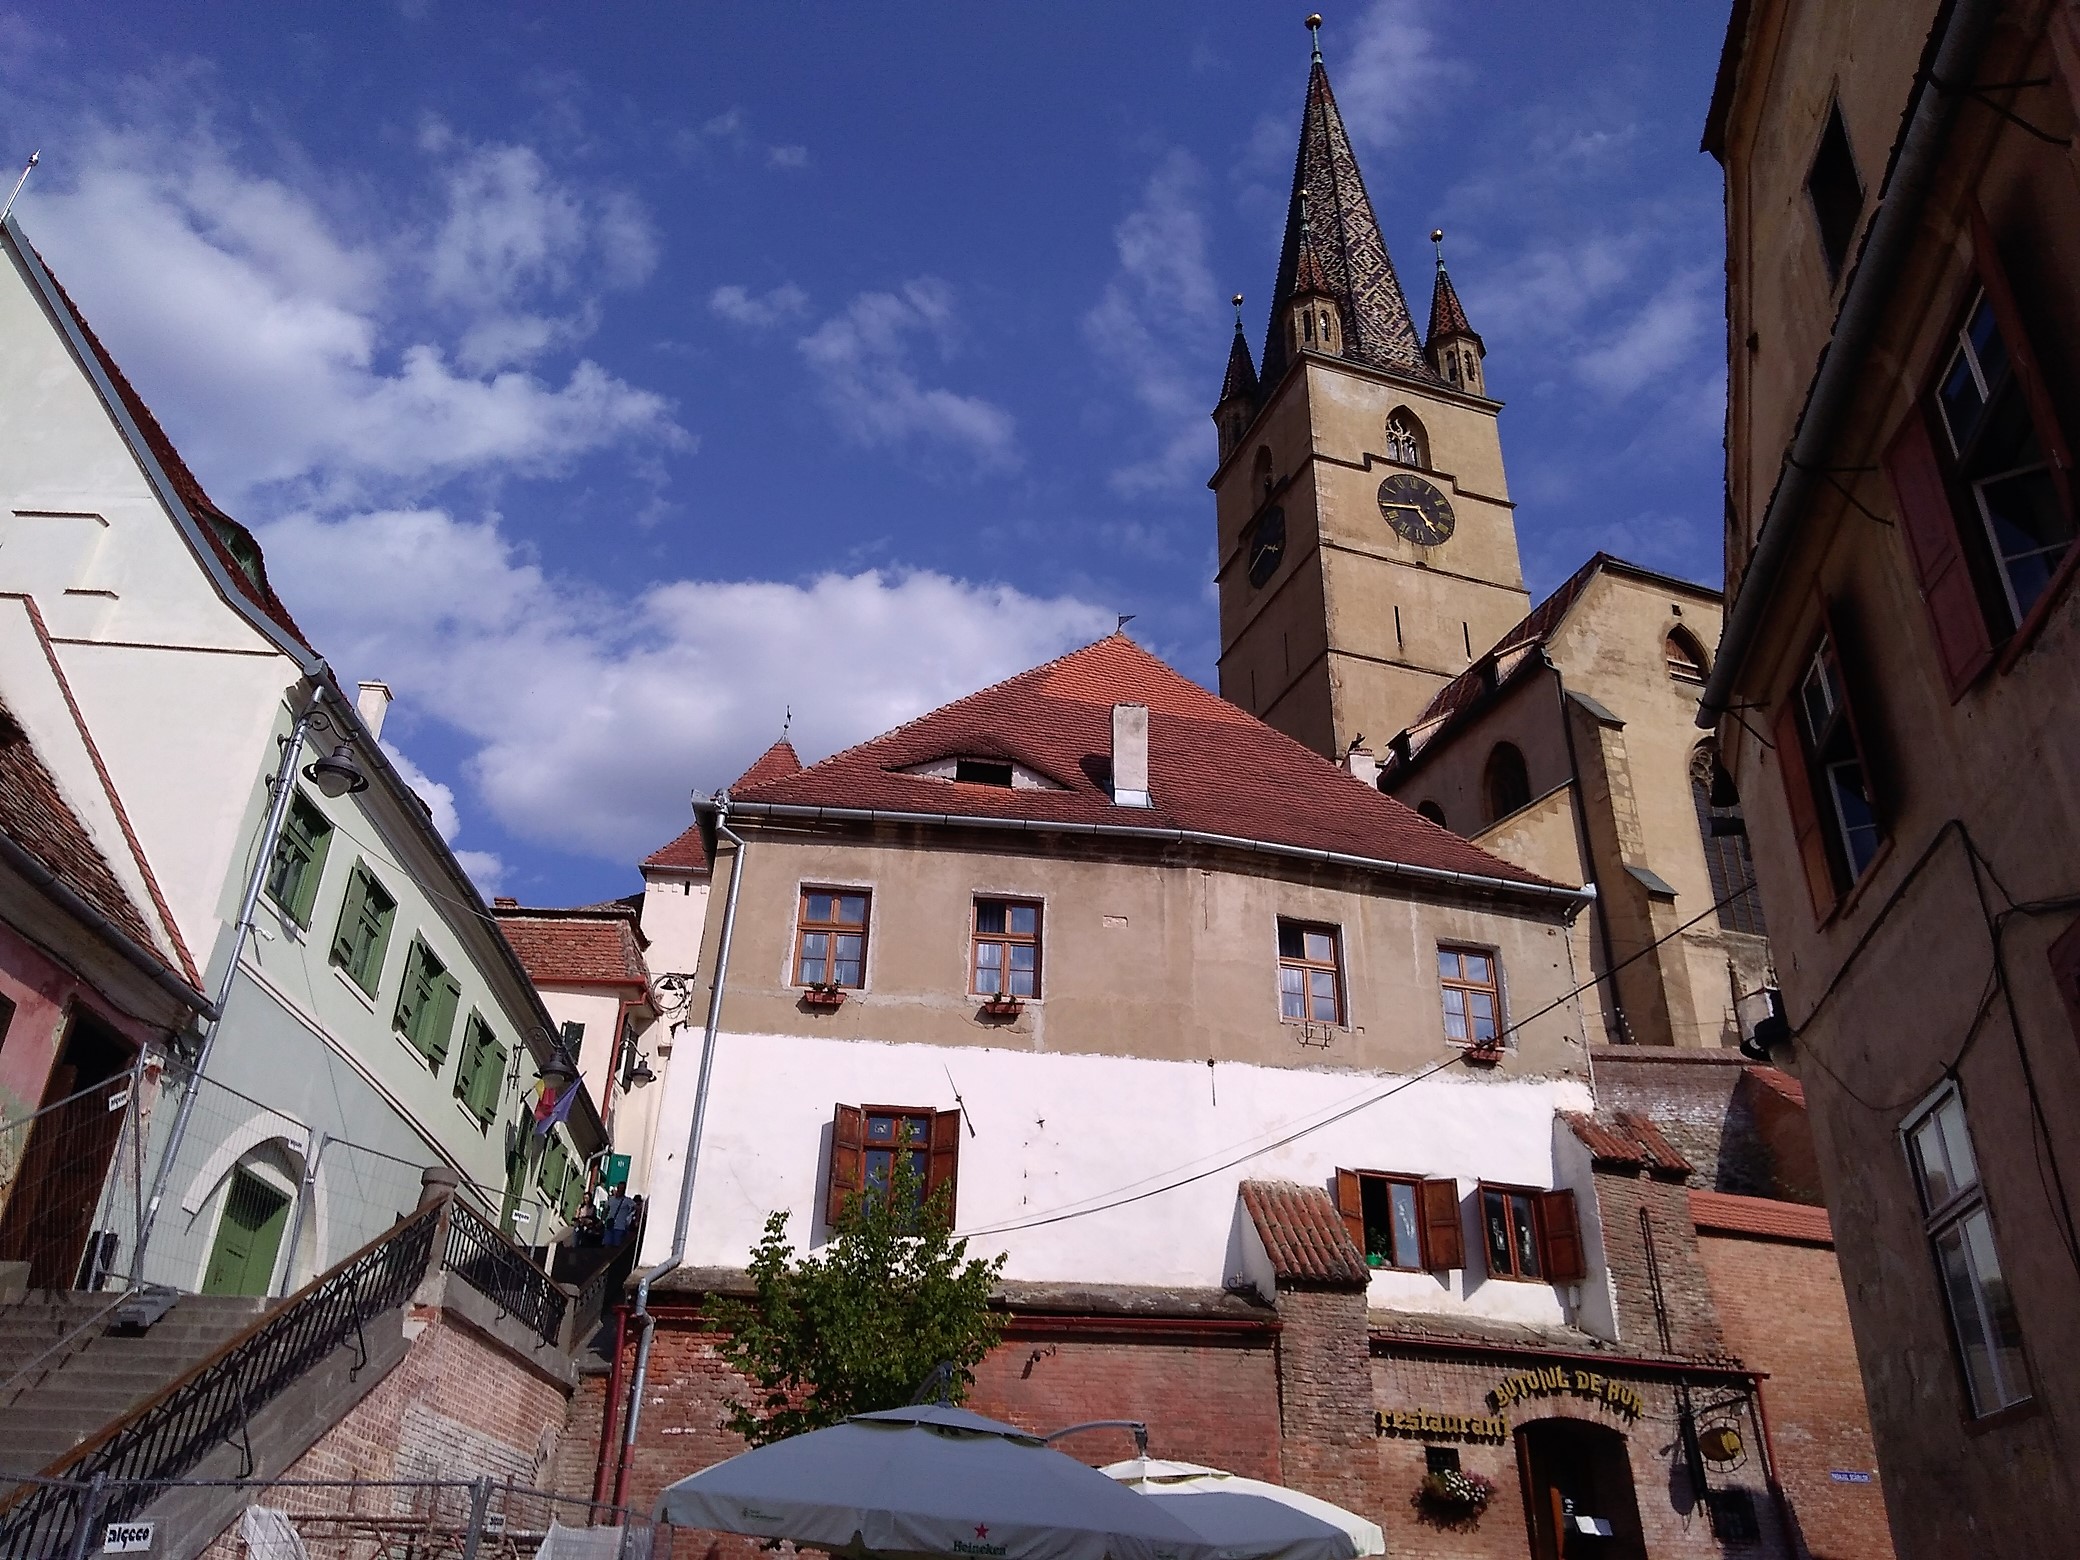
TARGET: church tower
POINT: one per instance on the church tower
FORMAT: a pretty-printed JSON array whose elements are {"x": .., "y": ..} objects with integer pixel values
[{"x": 1367, "y": 544}]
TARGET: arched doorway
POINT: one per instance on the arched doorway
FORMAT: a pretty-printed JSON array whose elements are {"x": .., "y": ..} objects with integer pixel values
[{"x": 1578, "y": 1496}]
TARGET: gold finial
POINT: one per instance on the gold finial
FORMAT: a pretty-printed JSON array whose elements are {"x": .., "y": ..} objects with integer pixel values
[
  {"x": 1314, "y": 26},
  {"x": 1237, "y": 301},
  {"x": 1437, "y": 238}
]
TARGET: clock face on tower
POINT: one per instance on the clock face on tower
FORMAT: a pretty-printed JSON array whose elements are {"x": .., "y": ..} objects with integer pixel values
[
  {"x": 1267, "y": 544},
  {"x": 1415, "y": 509}
]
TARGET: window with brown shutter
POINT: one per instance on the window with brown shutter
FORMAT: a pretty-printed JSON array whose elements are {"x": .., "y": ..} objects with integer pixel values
[
  {"x": 1401, "y": 1221},
  {"x": 1560, "y": 1234},
  {"x": 865, "y": 1143},
  {"x": 1531, "y": 1234}
]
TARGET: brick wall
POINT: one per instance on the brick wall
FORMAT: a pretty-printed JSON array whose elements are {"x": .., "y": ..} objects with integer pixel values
[
  {"x": 1782, "y": 1309},
  {"x": 1741, "y": 1136},
  {"x": 1684, "y": 1284},
  {"x": 1326, "y": 1396}
]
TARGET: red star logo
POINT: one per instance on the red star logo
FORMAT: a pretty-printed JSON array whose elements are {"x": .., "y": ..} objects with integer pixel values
[{"x": 982, "y": 1530}]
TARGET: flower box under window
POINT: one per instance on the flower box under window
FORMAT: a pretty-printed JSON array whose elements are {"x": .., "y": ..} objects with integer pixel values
[{"x": 824, "y": 997}]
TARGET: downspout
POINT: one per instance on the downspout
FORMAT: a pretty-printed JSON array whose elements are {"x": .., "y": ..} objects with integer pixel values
[
  {"x": 639, "y": 1378},
  {"x": 1865, "y": 311},
  {"x": 263, "y": 863},
  {"x": 1581, "y": 825}
]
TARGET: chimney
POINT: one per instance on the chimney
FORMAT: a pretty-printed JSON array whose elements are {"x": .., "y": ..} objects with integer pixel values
[
  {"x": 1130, "y": 755},
  {"x": 374, "y": 704},
  {"x": 1360, "y": 762}
]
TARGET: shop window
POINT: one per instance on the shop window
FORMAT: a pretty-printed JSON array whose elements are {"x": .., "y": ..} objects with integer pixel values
[
  {"x": 831, "y": 938},
  {"x": 1836, "y": 191},
  {"x": 865, "y": 1140},
  {"x": 1470, "y": 981},
  {"x": 1827, "y": 779},
  {"x": 1006, "y": 960},
  {"x": 299, "y": 859},
  {"x": 426, "y": 1001},
  {"x": 1981, "y": 475},
  {"x": 1531, "y": 1235},
  {"x": 1440, "y": 1459},
  {"x": 1960, "y": 1232},
  {"x": 1310, "y": 972},
  {"x": 1402, "y": 1221},
  {"x": 1506, "y": 783},
  {"x": 1724, "y": 832},
  {"x": 364, "y": 930}
]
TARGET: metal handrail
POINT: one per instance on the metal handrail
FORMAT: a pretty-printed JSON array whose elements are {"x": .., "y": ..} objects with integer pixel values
[
  {"x": 481, "y": 1256},
  {"x": 172, "y": 1431}
]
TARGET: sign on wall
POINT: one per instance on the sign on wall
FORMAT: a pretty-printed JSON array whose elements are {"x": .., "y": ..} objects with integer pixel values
[
  {"x": 1619, "y": 1397},
  {"x": 127, "y": 1538},
  {"x": 1428, "y": 1425}
]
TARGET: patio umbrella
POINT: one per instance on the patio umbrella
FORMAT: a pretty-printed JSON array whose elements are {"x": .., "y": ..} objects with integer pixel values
[
  {"x": 1255, "y": 1527},
  {"x": 931, "y": 1480},
  {"x": 1154, "y": 1476}
]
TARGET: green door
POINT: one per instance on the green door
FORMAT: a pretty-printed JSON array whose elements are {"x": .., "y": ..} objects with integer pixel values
[{"x": 248, "y": 1237}]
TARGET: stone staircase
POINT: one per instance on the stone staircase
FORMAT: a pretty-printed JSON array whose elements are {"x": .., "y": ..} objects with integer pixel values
[{"x": 98, "y": 1373}]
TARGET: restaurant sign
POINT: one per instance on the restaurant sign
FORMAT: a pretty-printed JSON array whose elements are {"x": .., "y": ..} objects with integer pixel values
[
  {"x": 1426, "y": 1425},
  {"x": 1558, "y": 1380}
]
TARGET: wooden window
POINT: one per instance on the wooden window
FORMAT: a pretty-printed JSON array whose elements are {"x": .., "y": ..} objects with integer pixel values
[
  {"x": 1836, "y": 191},
  {"x": 426, "y": 1004},
  {"x": 480, "y": 1077},
  {"x": 1402, "y": 1221},
  {"x": 1685, "y": 657},
  {"x": 831, "y": 938},
  {"x": 1728, "y": 862},
  {"x": 1471, "y": 983},
  {"x": 865, "y": 1140},
  {"x": 573, "y": 1033},
  {"x": 1310, "y": 973},
  {"x": 1531, "y": 1235},
  {"x": 1506, "y": 783},
  {"x": 299, "y": 859},
  {"x": 364, "y": 930},
  {"x": 1834, "y": 812},
  {"x": 1960, "y": 1232},
  {"x": 1006, "y": 961}
]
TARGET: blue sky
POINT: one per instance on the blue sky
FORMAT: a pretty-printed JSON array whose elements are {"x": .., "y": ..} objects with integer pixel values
[{"x": 612, "y": 381}]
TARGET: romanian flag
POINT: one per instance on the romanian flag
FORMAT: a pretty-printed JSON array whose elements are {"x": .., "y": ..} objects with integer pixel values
[{"x": 551, "y": 1107}]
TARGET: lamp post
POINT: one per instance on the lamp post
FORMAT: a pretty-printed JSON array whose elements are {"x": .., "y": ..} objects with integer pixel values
[{"x": 336, "y": 776}]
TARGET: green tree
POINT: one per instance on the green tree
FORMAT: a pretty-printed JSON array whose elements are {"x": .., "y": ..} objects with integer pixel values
[{"x": 861, "y": 1326}]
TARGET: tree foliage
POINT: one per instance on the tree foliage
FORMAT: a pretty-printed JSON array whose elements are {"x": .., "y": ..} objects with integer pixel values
[{"x": 862, "y": 1325}]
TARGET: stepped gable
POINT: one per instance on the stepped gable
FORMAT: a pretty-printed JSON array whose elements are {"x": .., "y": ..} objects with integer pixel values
[
  {"x": 1330, "y": 217},
  {"x": 683, "y": 853},
  {"x": 1213, "y": 768}
]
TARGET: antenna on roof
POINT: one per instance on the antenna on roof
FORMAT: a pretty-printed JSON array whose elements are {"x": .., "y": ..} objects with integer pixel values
[{"x": 35, "y": 157}]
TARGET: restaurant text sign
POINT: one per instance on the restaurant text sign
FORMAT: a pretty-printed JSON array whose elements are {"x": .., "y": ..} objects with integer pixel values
[
  {"x": 1555, "y": 1380},
  {"x": 1427, "y": 1425}
]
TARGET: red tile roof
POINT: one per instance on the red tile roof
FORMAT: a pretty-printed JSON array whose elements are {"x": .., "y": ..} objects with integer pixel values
[
  {"x": 35, "y": 816},
  {"x": 1303, "y": 1234},
  {"x": 775, "y": 763},
  {"x": 1628, "y": 1143},
  {"x": 575, "y": 947},
  {"x": 1726, "y": 1213},
  {"x": 1447, "y": 314},
  {"x": 1777, "y": 1081},
  {"x": 227, "y": 538},
  {"x": 683, "y": 853},
  {"x": 1213, "y": 769}
]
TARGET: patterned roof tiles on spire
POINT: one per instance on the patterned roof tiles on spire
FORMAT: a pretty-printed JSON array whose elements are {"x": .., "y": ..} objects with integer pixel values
[
  {"x": 1241, "y": 377},
  {"x": 1329, "y": 196},
  {"x": 1214, "y": 769},
  {"x": 1447, "y": 314}
]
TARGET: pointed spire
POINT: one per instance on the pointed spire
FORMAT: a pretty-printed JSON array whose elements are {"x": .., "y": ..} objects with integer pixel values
[
  {"x": 1241, "y": 378},
  {"x": 1330, "y": 222},
  {"x": 1308, "y": 276},
  {"x": 1453, "y": 347}
]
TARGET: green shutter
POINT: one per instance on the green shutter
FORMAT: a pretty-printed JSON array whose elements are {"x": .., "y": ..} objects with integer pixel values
[
  {"x": 480, "y": 1078},
  {"x": 376, "y": 912},
  {"x": 411, "y": 993},
  {"x": 344, "y": 940},
  {"x": 437, "y": 1018},
  {"x": 549, "y": 1174},
  {"x": 299, "y": 862}
]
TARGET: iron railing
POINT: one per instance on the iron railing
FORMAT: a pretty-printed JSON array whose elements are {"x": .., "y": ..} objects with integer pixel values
[
  {"x": 501, "y": 1272},
  {"x": 214, "y": 1403}
]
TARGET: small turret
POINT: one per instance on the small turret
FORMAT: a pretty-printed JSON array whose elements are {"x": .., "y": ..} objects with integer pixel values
[
  {"x": 1454, "y": 350},
  {"x": 1313, "y": 319},
  {"x": 1238, "y": 402}
]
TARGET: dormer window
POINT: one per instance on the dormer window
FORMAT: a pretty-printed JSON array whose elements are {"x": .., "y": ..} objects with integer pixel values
[
  {"x": 1006, "y": 774},
  {"x": 983, "y": 771}
]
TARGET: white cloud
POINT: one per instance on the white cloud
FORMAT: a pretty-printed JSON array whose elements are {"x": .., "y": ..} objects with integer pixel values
[
  {"x": 862, "y": 360},
  {"x": 593, "y": 718},
  {"x": 1661, "y": 336},
  {"x": 787, "y": 157},
  {"x": 1157, "y": 324},
  {"x": 740, "y": 306},
  {"x": 1391, "y": 73},
  {"x": 484, "y": 867}
]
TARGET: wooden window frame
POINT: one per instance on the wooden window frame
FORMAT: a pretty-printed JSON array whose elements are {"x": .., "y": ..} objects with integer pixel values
[
  {"x": 804, "y": 928},
  {"x": 1333, "y": 966},
  {"x": 1728, "y": 857},
  {"x": 1556, "y": 1233},
  {"x": 1685, "y": 657},
  {"x": 299, "y": 859},
  {"x": 1005, "y": 941},
  {"x": 427, "y": 998},
  {"x": 479, "y": 1090},
  {"x": 1471, "y": 987},
  {"x": 1803, "y": 758},
  {"x": 362, "y": 962},
  {"x": 850, "y": 1145},
  {"x": 1440, "y": 1240}
]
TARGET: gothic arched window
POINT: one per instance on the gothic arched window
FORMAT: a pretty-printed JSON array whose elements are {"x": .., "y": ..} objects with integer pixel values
[
  {"x": 1405, "y": 439},
  {"x": 1725, "y": 833},
  {"x": 1433, "y": 812},
  {"x": 1506, "y": 786},
  {"x": 1685, "y": 656}
]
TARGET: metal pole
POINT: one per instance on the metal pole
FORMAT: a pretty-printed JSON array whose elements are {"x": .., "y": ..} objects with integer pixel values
[
  {"x": 479, "y": 1499},
  {"x": 89, "y": 1513},
  {"x": 304, "y": 1198},
  {"x": 263, "y": 863}
]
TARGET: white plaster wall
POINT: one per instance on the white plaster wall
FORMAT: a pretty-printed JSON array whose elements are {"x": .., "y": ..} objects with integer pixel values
[
  {"x": 675, "y": 910},
  {"x": 1053, "y": 1134}
]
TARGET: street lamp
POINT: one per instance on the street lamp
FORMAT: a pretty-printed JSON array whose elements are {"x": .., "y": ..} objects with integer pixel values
[{"x": 338, "y": 775}]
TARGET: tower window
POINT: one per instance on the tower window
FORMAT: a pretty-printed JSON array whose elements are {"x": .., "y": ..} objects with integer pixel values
[
  {"x": 1725, "y": 834},
  {"x": 1835, "y": 190},
  {"x": 1260, "y": 476},
  {"x": 1685, "y": 657},
  {"x": 1507, "y": 784},
  {"x": 1405, "y": 442}
]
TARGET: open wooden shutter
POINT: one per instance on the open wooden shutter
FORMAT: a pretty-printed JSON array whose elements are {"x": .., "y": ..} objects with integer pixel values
[
  {"x": 1560, "y": 1237},
  {"x": 1789, "y": 736},
  {"x": 2022, "y": 356},
  {"x": 350, "y": 921},
  {"x": 1444, "y": 1242},
  {"x": 412, "y": 993},
  {"x": 1350, "y": 1203},
  {"x": 1955, "y": 618},
  {"x": 942, "y": 1166},
  {"x": 438, "y": 1022},
  {"x": 491, "y": 1077},
  {"x": 848, "y": 1135}
]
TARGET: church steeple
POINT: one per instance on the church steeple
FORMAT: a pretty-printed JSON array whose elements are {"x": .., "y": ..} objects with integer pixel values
[
  {"x": 1330, "y": 225},
  {"x": 1238, "y": 402},
  {"x": 1454, "y": 350}
]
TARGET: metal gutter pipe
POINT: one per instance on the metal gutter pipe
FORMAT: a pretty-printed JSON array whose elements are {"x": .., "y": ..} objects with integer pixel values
[
  {"x": 147, "y": 961},
  {"x": 1573, "y": 898},
  {"x": 641, "y": 1375},
  {"x": 1864, "y": 312},
  {"x": 263, "y": 863}
]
